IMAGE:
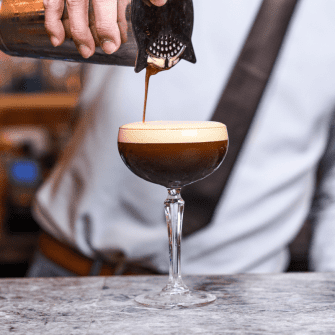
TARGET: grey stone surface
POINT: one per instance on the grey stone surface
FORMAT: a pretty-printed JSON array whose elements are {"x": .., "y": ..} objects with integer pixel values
[{"x": 246, "y": 304}]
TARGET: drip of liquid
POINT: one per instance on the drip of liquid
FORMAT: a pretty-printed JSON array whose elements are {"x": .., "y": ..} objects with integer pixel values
[{"x": 150, "y": 71}]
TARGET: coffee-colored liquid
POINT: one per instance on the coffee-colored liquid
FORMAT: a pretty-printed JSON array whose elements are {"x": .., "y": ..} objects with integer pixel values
[
  {"x": 150, "y": 71},
  {"x": 173, "y": 164}
]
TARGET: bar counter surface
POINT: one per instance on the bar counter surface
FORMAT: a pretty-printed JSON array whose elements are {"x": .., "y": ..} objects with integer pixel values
[{"x": 291, "y": 303}]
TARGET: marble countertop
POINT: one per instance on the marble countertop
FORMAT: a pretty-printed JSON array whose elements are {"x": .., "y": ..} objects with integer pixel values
[{"x": 291, "y": 303}]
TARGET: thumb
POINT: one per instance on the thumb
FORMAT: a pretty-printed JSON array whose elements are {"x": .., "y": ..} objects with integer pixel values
[{"x": 158, "y": 2}]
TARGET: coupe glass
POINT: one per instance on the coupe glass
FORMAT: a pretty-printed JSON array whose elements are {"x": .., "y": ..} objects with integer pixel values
[{"x": 173, "y": 154}]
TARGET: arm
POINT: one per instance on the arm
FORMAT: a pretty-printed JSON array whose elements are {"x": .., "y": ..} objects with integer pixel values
[{"x": 109, "y": 20}]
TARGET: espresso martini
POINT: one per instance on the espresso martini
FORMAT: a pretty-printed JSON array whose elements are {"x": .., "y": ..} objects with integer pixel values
[{"x": 173, "y": 153}]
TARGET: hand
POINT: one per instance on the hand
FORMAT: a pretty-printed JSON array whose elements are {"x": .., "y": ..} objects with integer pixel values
[{"x": 107, "y": 28}]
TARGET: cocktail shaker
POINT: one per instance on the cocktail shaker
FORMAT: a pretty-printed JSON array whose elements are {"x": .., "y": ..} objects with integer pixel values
[{"x": 160, "y": 36}]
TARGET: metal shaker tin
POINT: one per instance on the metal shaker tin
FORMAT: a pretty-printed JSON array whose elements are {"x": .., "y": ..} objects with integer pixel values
[{"x": 22, "y": 33}]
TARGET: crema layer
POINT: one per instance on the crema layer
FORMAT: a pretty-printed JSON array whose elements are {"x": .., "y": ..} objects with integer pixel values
[{"x": 172, "y": 132}]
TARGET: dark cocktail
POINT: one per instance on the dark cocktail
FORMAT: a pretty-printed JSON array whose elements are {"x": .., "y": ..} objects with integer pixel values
[{"x": 173, "y": 154}]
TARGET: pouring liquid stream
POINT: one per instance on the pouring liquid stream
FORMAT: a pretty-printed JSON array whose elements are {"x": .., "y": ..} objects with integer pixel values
[{"x": 150, "y": 71}]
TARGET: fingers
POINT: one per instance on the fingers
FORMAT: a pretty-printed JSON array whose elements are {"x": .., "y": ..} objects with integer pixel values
[
  {"x": 53, "y": 24},
  {"x": 108, "y": 32},
  {"x": 80, "y": 32},
  {"x": 109, "y": 28},
  {"x": 122, "y": 20},
  {"x": 158, "y": 2}
]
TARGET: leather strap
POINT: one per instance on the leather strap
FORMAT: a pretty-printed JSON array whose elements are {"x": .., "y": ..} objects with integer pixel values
[
  {"x": 72, "y": 260},
  {"x": 238, "y": 105}
]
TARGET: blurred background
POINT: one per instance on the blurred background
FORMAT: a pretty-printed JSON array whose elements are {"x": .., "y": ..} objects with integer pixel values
[{"x": 37, "y": 115}]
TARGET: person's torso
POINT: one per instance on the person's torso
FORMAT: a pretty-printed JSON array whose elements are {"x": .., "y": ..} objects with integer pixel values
[{"x": 269, "y": 193}]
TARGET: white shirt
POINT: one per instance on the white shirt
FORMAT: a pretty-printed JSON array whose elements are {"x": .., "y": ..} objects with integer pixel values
[{"x": 270, "y": 191}]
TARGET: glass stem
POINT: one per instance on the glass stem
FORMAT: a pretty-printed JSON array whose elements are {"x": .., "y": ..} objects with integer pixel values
[{"x": 174, "y": 210}]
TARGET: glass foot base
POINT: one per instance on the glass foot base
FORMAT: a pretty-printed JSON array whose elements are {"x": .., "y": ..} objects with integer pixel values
[{"x": 164, "y": 300}]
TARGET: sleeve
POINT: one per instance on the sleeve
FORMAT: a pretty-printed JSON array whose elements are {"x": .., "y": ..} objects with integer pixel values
[{"x": 322, "y": 249}]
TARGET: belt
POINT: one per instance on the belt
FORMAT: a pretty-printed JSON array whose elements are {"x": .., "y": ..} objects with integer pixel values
[{"x": 72, "y": 260}]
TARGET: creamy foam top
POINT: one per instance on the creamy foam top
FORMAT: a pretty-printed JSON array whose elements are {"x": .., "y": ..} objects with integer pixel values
[{"x": 172, "y": 132}]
